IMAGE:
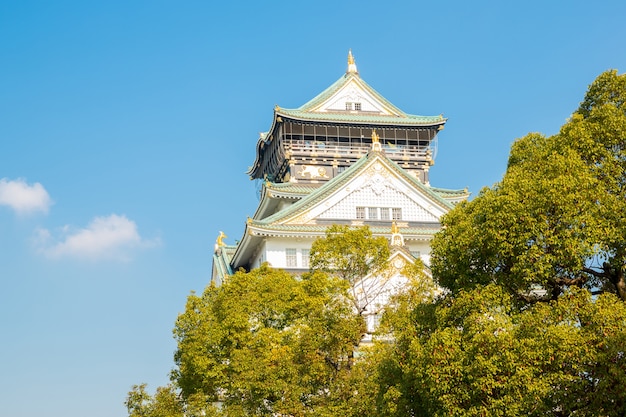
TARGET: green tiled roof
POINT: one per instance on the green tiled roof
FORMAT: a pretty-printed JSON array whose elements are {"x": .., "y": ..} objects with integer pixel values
[
  {"x": 221, "y": 261},
  {"x": 365, "y": 118},
  {"x": 447, "y": 192},
  {"x": 321, "y": 228},
  {"x": 398, "y": 117},
  {"x": 339, "y": 180},
  {"x": 291, "y": 188}
]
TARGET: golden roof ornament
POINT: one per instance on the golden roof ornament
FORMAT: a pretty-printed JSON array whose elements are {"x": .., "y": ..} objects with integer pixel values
[
  {"x": 351, "y": 64},
  {"x": 396, "y": 238},
  {"x": 219, "y": 242},
  {"x": 376, "y": 146},
  {"x": 220, "y": 239}
]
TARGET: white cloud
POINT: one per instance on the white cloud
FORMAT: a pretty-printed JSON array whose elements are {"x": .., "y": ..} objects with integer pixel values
[
  {"x": 112, "y": 237},
  {"x": 24, "y": 198}
]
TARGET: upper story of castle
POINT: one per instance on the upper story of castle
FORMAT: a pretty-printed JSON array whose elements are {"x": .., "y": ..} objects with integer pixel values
[{"x": 320, "y": 139}]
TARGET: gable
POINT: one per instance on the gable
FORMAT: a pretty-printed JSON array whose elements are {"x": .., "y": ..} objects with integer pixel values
[
  {"x": 381, "y": 196},
  {"x": 379, "y": 187},
  {"x": 350, "y": 94}
]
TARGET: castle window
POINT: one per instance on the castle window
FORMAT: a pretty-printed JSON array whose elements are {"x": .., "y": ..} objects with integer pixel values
[
  {"x": 305, "y": 258},
  {"x": 357, "y": 106},
  {"x": 379, "y": 213},
  {"x": 292, "y": 257},
  {"x": 348, "y": 106}
]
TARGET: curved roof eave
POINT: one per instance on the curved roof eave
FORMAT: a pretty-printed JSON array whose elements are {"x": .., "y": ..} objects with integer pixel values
[
  {"x": 317, "y": 230},
  {"x": 242, "y": 248},
  {"x": 363, "y": 118},
  {"x": 264, "y": 137}
]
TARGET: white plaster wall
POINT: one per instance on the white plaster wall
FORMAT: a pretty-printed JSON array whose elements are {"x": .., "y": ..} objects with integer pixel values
[
  {"x": 423, "y": 248},
  {"x": 353, "y": 93},
  {"x": 259, "y": 257},
  {"x": 276, "y": 254},
  {"x": 387, "y": 197},
  {"x": 284, "y": 204}
]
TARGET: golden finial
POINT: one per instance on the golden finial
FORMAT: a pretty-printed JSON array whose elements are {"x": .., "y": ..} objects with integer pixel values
[
  {"x": 396, "y": 238},
  {"x": 375, "y": 137},
  {"x": 376, "y": 146},
  {"x": 351, "y": 63},
  {"x": 220, "y": 239}
]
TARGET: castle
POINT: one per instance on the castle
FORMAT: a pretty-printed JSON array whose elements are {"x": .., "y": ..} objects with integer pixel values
[{"x": 347, "y": 157}]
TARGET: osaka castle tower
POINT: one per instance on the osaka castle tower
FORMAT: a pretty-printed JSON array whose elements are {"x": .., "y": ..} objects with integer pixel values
[{"x": 347, "y": 157}]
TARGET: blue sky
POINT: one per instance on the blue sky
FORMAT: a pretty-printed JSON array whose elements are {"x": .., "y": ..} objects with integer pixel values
[{"x": 126, "y": 129}]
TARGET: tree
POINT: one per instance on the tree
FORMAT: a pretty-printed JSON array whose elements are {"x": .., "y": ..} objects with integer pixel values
[
  {"x": 269, "y": 343},
  {"x": 476, "y": 353},
  {"x": 534, "y": 319},
  {"x": 266, "y": 343},
  {"x": 353, "y": 255},
  {"x": 164, "y": 403},
  {"x": 556, "y": 218}
]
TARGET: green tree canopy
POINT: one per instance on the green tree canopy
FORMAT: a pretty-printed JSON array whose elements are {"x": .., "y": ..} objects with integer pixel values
[
  {"x": 534, "y": 319},
  {"x": 556, "y": 218},
  {"x": 353, "y": 254},
  {"x": 476, "y": 353},
  {"x": 266, "y": 343}
]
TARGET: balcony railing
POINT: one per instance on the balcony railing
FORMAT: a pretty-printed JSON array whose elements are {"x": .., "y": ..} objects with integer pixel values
[{"x": 399, "y": 152}]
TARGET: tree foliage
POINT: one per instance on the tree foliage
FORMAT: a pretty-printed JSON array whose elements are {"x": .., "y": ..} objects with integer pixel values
[
  {"x": 266, "y": 343},
  {"x": 556, "y": 218},
  {"x": 534, "y": 319},
  {"x": 351, "y": 255},
  {"x": 476, "y": 353}
]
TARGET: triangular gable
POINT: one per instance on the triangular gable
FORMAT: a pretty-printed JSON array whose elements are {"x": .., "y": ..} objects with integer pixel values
[
  {"x": 350, "y": 88},
  {"x": 378, "y": 187},
  {"x": 380, "y": 192},
  {"x": 374, "y": 181},
  {"x": 351, "y": 93}
]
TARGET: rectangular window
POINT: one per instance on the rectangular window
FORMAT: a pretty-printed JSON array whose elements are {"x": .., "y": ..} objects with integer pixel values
[
  {"x": 372, "y": 213},
  {"x": 396, "y": 213},
  {"x": 384, "y": 213},
  {"x": 305, "y": 258},
  {"x": 292, "y": 257},
  {"x": 357, "y": 106},
  {"x": 360, "y": 213},
  {"x": 376, "y": 321},
  {"x": 348, "y": 106}
]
